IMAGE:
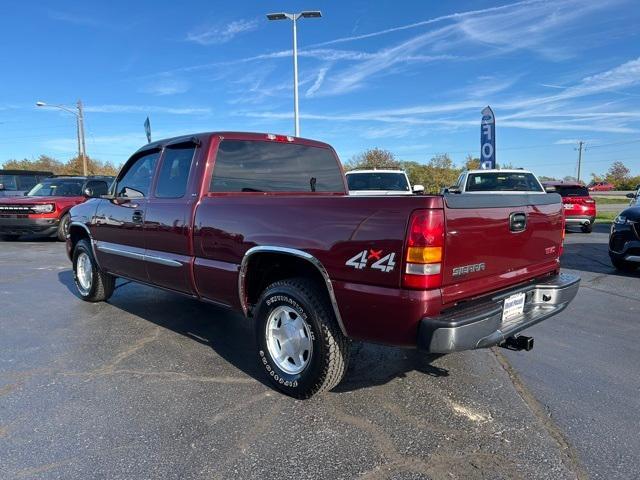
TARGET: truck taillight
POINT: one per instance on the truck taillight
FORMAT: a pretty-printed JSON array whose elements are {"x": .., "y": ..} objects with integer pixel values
[
  {"x": 425, "y": 245},
  {"x": 564, "y": 233},
  {"x": 280, "y": 138}
]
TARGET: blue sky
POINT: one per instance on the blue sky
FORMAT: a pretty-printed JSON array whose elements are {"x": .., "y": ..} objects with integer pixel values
[{"x": 410, "y": 77}]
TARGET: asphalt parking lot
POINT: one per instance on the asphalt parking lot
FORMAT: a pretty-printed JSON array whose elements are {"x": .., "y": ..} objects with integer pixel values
[{"x": 153, "y": 385}]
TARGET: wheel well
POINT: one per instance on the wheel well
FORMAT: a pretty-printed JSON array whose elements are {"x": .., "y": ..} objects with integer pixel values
[
  {"x": 265, "y": 268},
  {"x": 77, "y": 233}
]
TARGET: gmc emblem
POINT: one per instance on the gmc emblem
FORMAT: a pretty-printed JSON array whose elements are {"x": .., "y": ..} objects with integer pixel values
[{"x": 465, "y": 269}]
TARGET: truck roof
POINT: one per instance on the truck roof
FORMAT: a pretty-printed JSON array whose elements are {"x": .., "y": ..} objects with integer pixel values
[
  {"x": 500, "y": 170},
  {"x": 375, "y": 170},
  {"x": 256, "y": 136}
]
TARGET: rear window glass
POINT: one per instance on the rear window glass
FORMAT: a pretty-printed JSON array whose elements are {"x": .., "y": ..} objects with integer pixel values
[
  {"x": 378, "y": 181},
  {"x": 256, "y": 166},
  {"x": 570, "y": 191},
  {"x": 503, "y": 182}
]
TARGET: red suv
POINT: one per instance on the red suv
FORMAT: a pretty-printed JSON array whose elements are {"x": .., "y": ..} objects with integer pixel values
[
  {"x": 44, "y": 210},
  {"x": 601, "y": 187},
  {"x": 579, "y": 207}
]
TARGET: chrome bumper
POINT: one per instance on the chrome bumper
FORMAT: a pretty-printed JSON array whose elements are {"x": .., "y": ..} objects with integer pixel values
[{"x": 481, "y": 325}]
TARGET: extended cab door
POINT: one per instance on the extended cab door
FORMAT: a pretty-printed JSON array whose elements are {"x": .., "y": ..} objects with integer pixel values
[
  {"x": 119, "y": 222},
  {"x": 168, "y": 217}
]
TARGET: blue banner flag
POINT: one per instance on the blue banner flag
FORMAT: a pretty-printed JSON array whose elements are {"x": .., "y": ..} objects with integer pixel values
[
  {"x": 147, "y": 129},
  {"x": 488, "y": 139}
]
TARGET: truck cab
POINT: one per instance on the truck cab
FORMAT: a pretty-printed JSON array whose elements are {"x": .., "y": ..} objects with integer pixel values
[{"x": 380, "y": 182}]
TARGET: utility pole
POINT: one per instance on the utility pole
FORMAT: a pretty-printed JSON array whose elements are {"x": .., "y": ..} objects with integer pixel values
[
  {"x": 580, "y": 146},
  {"x": 81, "y": 137}
]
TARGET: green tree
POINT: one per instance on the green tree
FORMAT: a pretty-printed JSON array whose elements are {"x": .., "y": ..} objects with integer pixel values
[{"x": 372, "y": 159}]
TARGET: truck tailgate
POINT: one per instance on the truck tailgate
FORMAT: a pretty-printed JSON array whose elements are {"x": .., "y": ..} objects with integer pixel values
[{"x": 486, "y": 249}]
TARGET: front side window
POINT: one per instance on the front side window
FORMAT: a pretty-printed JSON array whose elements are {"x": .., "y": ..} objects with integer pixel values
[
  {"x": 257, "y": 166},
  {"x": 9, "y": 182},
  {"x": 503, "y": 182},
  {"x": 57, "y": 187},
  {"x": 136, "y": 180},
  {"x": 378, "y": 181},
  {"x": 174, "y": 171}
]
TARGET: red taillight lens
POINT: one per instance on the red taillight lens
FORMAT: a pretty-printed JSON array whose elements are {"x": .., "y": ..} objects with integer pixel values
[{"x": 424, "y": 253}]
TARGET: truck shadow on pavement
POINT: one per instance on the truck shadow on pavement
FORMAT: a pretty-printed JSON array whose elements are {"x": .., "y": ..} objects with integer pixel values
[{"x": 231, "y": 335}]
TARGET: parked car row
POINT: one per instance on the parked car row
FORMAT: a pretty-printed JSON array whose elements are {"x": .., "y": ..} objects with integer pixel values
[{"x": 44, "y": 209}]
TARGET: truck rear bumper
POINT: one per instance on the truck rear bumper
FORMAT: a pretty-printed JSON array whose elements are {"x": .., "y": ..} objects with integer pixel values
[
  {"x": 481, "y": 325},
  {"x": 28, "y": 226}
]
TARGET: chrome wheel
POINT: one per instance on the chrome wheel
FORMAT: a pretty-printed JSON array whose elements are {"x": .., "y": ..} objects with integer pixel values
[
  {"x": 288, "y": 340},
  {"x": 84, "y": 273}
]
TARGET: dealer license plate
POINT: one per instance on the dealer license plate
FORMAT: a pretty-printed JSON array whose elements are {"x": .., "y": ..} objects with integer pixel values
[{"x": 513, "y": 306}]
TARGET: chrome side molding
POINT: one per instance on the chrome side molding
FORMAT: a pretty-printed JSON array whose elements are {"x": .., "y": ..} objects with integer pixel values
[{"x": 123, "y": 251}]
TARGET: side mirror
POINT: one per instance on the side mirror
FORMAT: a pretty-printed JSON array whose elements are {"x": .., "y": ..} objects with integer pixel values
[
  {"x": 91, "y": 193},
  {"x": 453, "y": 189},
  {"x": 631, "y": 195},
  {"x": 550, "y": 189},
  {"x": 418, "y": 189},
  {"x": 1, "y": 186}
]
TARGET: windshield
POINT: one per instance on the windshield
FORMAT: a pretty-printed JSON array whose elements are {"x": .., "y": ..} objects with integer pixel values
[
  {"x": 378, "y": 181},
  {"x": 503, "y": 182},
  {"x": 59, "y": 187},
  {"x": 572, "y": 191}
]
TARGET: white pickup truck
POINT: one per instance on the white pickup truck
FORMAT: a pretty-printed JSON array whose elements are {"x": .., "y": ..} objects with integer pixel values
[
  {"x": 380, "y": 182},
  {"x": 497, "y": 181}
]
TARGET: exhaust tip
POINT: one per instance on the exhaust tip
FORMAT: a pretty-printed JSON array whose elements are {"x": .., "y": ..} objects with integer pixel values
[{"x": 517, "y": 343}]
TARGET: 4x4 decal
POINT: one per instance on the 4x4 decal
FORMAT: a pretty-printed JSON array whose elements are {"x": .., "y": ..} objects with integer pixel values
[{"x": 384, "y": 263}]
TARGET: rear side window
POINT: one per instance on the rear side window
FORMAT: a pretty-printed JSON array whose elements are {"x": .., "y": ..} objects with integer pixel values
[
  {"x": 174, "y": 171},
  {"x": 568, "y": 191},
  {"x": 503, "y": 182},
  {"x": 256, "y": 166},
  {"x": 136, "y": 180}
]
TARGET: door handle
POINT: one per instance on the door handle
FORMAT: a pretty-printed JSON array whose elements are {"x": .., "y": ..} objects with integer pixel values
[{"x": 137, "y": 216}]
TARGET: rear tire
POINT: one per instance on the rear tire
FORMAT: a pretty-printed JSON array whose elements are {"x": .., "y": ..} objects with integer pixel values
[
  {"x": 587, "y": 228},
  {"x": 623, "y": 265},
  {"x": 92, "y": 284},
  {"x": 63, "y": 228},
  {"x": 299, "y": 342}
]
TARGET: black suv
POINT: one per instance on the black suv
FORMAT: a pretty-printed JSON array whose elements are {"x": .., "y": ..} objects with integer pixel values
[{"x": 624, "y": 240}]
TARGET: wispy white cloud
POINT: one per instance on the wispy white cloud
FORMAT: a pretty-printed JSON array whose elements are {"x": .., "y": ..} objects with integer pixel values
[
  {"x": 116, "y": 108},
  {"x": 213, "y": 34},
  {"x": 75, "y": 18},
  {"x": 319, "y": 79},
  {"x": 166, "y": 86}
]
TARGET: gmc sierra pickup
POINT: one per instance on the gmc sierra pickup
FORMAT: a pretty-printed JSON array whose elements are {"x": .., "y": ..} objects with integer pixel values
[{"x": 263, "y": 224}]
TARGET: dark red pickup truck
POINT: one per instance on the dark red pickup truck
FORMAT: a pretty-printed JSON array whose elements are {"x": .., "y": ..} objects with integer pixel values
[{"x": 263, "y": 224}]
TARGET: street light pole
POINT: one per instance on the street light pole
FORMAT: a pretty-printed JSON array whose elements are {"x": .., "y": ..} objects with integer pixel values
[
  {"x": 296, "y": 111},
  {"x": 82, "y": 153},
  {"x": 294, "y": 18}
]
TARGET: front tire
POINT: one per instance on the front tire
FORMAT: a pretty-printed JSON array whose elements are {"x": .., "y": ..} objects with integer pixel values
[
  {"x": 587, "y": 228},
  {"x": 299, "y": 342},
  {"x": 63, "y": 228},
  {"x": 624, "y": 265},
  {"x": 92, "y": 284}
]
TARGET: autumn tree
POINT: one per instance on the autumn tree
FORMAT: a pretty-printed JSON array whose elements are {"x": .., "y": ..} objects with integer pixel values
[
  {"x": 471, "y": 163},
  {"x": 72, "y": 167},
  {"x": 374, "y": 158},
  {"x": 618, "y": 174},
  {"x": 43, "y": 163}
]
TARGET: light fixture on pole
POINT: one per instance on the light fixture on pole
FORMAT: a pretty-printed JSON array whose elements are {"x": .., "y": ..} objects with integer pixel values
[
  {"x": 82, "y": 153},
  {"x": 294, "y": 18}
]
